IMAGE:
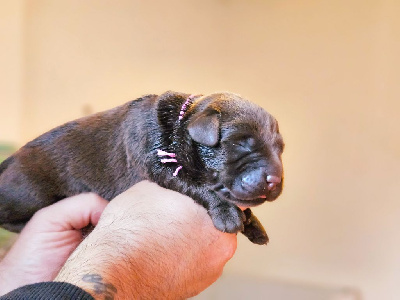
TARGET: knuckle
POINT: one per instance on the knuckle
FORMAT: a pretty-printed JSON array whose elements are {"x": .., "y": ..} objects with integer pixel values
[
  {"x": 229, "y": 246},
  {"x": 93, "y": 198},
  {"x": 41, "y": 214}
]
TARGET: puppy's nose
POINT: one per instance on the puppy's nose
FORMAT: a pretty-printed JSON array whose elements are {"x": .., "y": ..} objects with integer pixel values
[
  {"x": 253, "y": 180},
  {"x": 273, "y": 181}
]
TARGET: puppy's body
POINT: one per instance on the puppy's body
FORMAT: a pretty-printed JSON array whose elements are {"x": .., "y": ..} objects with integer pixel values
[{"x": 223, "y": 145}]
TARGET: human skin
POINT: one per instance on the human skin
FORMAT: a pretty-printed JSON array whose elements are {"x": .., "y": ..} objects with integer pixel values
[
  {"x": 47, "y": 241},
  {"x": 150, "y": 243}
]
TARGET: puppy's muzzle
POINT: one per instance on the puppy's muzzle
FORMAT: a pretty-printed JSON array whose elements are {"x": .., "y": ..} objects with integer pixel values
[{"x": 257, "y": 183}]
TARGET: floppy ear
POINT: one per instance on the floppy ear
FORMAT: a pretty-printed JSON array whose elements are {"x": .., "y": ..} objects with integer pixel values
[{"x": 204, "y": 129}]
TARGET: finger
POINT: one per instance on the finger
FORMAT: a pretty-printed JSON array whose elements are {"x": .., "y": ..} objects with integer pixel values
[{"x": 71, "y": 213}]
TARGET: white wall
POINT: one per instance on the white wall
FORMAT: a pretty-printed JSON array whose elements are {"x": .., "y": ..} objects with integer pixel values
[
  {"x": 11, "y": 75},
  {"x": 328, "y": 70}
]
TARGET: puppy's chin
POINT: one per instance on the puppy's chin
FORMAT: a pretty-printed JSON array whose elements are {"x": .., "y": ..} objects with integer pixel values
[
  {"x": 246, "y": 203},
  {"x": 227, "y": 194}
]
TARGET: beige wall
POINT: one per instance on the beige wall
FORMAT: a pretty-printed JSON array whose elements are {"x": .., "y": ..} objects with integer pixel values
[
  {"x": 328, "y": 70},
  {"x": 11, "y": 66}
]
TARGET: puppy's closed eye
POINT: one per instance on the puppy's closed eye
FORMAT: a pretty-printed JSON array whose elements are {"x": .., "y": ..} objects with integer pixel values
[{"x": 247, "y": 143}]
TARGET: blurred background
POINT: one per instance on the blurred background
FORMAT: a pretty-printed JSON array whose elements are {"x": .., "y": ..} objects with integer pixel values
[{"x": 327, "y": 70}]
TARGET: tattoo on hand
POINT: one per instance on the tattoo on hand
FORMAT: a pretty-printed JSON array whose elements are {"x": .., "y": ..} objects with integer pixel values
[{"x": 100, "y": 287}]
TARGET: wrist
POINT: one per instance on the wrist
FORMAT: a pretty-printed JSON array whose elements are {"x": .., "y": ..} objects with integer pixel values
[
  {"x": 90, "y": 267},
  {"x": 106, "y": 266}
]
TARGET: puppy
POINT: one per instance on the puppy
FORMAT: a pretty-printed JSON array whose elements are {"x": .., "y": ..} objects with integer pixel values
[{"x": 221, "y": 150}]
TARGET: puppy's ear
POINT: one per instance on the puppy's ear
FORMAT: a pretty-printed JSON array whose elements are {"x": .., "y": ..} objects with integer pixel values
[
  {"x": 168, "y": 107},
  {"x": 204, "y": 128}
]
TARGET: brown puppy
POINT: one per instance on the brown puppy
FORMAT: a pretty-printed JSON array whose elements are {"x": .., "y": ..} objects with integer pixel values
[{"x": 221, "y": 150}]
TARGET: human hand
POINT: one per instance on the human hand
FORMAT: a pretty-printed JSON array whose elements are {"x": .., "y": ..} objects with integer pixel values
[
  {"x": 150, "y": 243},
  {"x": 47, "y": 241}
]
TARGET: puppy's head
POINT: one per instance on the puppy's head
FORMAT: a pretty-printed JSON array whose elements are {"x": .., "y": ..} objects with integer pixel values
[{"x": 235, "y": 145}]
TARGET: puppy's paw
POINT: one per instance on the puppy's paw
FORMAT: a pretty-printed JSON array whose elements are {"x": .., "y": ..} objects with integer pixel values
[
  {"x": 256, "y": 235},
  {"x": 253, "y": 229},
  {"x": 227, "y": 218}
]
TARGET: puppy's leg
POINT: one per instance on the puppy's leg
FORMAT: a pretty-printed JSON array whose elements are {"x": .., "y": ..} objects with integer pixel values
[
  {"x": 21, "y": 195},
  {"x": 13, "y": 227},
  {"x": 16, "y": 209},
  {"x": 12, "y": 218},
  {"x": 226, "y": 216},
  {"x": 253, "y": 229}
]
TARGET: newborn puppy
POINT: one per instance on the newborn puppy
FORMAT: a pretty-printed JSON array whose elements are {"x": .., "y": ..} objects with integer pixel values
[{"x": 220, "y": 150}]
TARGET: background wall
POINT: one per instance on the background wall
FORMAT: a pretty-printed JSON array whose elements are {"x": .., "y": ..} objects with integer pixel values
[
  {"x": 328, "y": 70},
  {"x": 12, "y": 72}
]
